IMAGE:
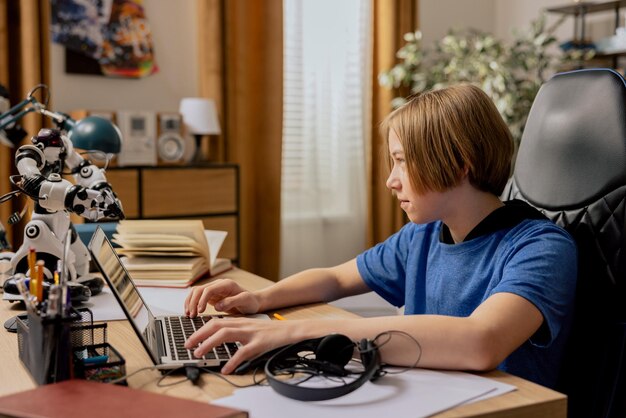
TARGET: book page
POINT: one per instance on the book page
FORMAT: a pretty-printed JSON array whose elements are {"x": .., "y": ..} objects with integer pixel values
[
  {"x": 161, "y": 251},
  {"x": 169, "y": 252},
  {"x": 193, "y": 228},
  {"x": 215, "y": 239},
  {"x": 162, "y": 263},
  {"x": 139, "y": 240}
]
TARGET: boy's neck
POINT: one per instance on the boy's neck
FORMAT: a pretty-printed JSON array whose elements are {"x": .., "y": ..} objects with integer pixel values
[{"x": 469, "y": 206}]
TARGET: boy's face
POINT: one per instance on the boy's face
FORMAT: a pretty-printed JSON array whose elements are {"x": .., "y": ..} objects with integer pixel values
[{"x": 419, "y": 207}]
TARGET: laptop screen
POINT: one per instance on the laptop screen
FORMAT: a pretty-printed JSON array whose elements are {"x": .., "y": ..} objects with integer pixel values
[{"x": 122, "y": 286}]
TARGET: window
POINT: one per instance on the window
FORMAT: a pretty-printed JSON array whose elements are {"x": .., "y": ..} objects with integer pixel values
[{"x": 325, "y": 124}]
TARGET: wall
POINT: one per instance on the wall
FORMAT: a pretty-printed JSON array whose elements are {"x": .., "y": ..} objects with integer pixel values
[
  {"x": 518, "y": 13},
  {"x": 437, "y": 17},
  {"x": 174, "y": 28}
]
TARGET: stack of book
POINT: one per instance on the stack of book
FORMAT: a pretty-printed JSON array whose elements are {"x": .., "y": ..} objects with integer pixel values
[{"x": 169, "y": 253}]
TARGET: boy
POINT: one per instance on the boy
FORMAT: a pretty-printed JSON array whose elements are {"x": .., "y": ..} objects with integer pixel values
[{"x": 484, "y": 284}]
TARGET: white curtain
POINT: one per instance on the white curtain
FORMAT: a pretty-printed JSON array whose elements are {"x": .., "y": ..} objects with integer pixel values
[{"x": 325, "y": 126}]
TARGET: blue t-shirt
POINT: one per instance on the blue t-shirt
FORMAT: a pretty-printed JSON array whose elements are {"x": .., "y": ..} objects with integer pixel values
[{"x": 534, "y": 259}]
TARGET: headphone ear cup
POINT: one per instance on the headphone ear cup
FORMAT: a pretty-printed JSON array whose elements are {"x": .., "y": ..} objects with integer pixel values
[
  {"x": 329, "y": 351},
  {"x": 336, "y": 349}
]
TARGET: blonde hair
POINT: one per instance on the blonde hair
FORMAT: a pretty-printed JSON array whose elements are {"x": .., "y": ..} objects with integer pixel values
[{"x": 445, "y": 132}]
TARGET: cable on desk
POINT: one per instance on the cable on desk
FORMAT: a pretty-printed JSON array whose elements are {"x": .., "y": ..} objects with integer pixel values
[
  {"x": 121, "y": 379},
  {"x": 255, "y": 382},
  {"x": 191, "y": 377},
  {"x": 176, "y": 382},
  {"x": 390, "y": 334}
]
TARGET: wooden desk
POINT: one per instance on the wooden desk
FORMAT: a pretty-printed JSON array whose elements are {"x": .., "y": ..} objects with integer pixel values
[{"x": 529, "y": 400}]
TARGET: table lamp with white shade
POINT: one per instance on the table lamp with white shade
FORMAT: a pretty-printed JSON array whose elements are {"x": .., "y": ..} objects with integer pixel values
[{"x": 200, "y": 118}]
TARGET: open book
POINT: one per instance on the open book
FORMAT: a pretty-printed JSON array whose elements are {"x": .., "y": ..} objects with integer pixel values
[{"x": 169, "y": 253}]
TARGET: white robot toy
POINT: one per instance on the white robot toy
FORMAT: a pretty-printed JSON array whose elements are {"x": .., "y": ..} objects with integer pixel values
[{"x": 40, "y": 166}]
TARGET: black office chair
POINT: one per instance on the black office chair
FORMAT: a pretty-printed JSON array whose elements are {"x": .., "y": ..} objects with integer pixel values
[{"x": 571, "y": 165}]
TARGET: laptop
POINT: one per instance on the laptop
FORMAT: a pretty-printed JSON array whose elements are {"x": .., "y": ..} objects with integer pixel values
[{"x": 163, "y": 337}]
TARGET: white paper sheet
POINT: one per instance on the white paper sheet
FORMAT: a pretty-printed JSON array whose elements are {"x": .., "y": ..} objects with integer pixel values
[
  {"x": 415, "y": 393},
  {"x": 165, "y": 301},
  {"x": 162, "y": 301}
]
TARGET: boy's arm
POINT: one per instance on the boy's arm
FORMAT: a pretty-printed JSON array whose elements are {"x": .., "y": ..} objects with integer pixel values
[
  {"x": 478, "y": 342},
  {"x": 309, "y": 286},
  {"x": 313, "y": 285}
]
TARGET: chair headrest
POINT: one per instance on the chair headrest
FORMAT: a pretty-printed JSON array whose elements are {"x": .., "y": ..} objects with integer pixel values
[{"x": 573, "y": 149}]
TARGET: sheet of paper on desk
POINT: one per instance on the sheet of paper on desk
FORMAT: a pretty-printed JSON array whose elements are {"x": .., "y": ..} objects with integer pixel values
[
  {"x": 415, "y": 393},
  {"x": 162, "y": 301}
]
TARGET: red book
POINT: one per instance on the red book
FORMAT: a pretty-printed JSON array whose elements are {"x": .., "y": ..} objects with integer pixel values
[{"x": 82, "y": 398}]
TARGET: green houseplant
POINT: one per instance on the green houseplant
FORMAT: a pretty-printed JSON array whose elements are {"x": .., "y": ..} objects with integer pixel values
[{"x": 510, "y": 74}]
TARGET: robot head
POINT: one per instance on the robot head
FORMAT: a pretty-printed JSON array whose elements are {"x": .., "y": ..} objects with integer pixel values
[{"x": 51, "y": 142}]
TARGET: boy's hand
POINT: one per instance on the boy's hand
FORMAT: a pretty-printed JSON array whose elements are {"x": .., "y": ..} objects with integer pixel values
[
  {"x": 257, "y": 336},
  {"x": 224, "y": 295}
]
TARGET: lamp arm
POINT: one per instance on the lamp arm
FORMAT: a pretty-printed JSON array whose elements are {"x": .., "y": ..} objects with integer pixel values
[
  {"x": 62, "y": 120},
  {"x": 20, "y": 110},
  {"x": 17, "y": 112}
]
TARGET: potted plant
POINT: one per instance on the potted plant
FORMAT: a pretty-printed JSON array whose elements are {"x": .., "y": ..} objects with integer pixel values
[{"x": 510, "y": 74}]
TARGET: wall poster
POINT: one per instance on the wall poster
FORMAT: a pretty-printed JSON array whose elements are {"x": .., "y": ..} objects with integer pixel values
[{"x": 110, "y": 37}]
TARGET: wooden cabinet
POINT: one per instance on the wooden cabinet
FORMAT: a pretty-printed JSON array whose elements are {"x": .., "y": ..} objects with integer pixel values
[{"x": 210, "y": 193}]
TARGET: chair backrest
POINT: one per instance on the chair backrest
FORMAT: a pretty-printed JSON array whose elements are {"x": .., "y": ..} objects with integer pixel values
[{"x": 571, "y": 165}]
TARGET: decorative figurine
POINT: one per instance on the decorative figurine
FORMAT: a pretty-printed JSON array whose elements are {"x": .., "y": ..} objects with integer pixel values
[{"x": 41, "y": 166}]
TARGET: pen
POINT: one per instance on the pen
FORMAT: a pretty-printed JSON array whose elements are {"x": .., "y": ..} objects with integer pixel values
[
  {"x": 279, "y": 317},
  {"x": 60, "y": 270},
  {"x": 28, "y": 299},
  {"x": 54, "y": 301}
]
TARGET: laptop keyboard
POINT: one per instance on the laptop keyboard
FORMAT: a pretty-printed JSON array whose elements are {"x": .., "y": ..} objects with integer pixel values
[{"x": 180, "y": 328}]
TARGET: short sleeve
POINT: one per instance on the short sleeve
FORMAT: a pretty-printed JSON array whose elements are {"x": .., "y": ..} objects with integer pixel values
[
  {"x": 384, "y": 266},
  {"x": 542, "y": 268}
]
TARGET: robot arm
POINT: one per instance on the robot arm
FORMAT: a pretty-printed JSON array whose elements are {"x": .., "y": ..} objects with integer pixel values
[
  {"x": 54, "y": 193},
  {"x": 93, "y": 177}
]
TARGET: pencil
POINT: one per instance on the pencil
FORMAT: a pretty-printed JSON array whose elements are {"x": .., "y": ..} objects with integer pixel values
[
  {"x": 31, "y": 258},
  {"x": 40, "y": 265},
  {"x": 279, "y": 317}
]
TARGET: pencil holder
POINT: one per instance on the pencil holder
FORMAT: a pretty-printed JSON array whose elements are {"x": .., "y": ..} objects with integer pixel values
[
  {"x": 61, "y": 348},
  {"x": 44, "y": 346}
]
